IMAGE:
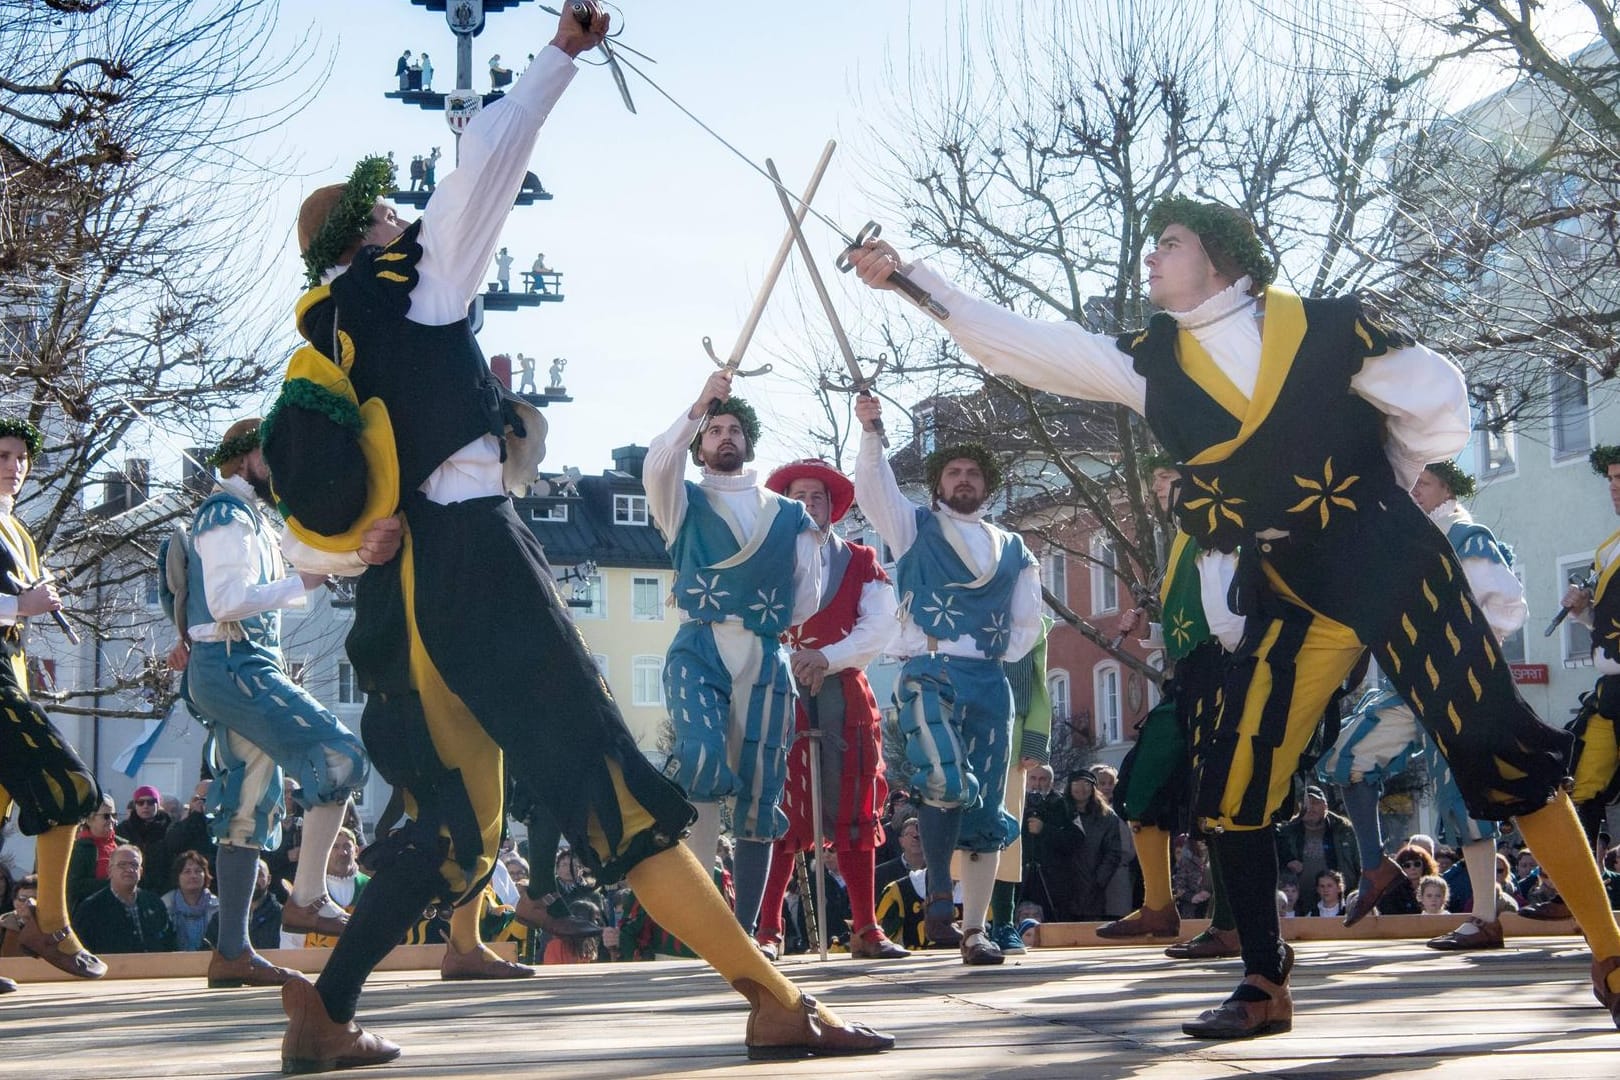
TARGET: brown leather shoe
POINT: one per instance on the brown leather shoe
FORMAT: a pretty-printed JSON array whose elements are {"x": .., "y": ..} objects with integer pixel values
[
  {"x": 531, "y": 912},
  {"x": 1547, "y": 911},
  {"x": 249, "y": 969},
  {"x": 1144, "y": 922},
  {"x": 1235, "y": 1019},
  {"x": 82, "y": 964},
  {"x": 871, "y": 943},
  {"x": 1610, "y": 999},
  {"x": 316, "y": 1043},
  {"x": 1209, "y": 944},
  {"x": 779, "y": 1034},
  {"x": 307, "y": 918},
  {"x": 480, "y": 964},
  {"x": 1374, "y": 884},
  {"x": 1484, "y": 935},
  {"x": 941, "y": 931},
  {"x": 978, "y": 950}
]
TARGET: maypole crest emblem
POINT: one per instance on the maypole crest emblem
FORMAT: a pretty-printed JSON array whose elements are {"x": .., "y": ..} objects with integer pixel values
[
  {"x": 465, "y": 16},
  {"x": 460, "y": 106}
]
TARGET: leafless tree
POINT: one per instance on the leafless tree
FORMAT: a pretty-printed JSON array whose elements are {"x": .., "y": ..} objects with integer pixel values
[
  {"x": 1027, "y": 168},
  {"x": 131, "y": 276}
]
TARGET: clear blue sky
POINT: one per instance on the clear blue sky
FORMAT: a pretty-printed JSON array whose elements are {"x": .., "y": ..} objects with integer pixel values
[{"x": 662, "y": 235}]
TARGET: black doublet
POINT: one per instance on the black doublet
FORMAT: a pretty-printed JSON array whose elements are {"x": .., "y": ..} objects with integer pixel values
[
  {"x": 1358, "y": 551},
  {"x": 539, "y": 696}
]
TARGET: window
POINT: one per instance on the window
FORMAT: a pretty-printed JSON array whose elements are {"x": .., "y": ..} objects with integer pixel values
[
  {"x": 150, "y": 584},
  {"x": 1108, "y": 713},
  {"x": 1055, "y": 573},
  {"x": 629, "y": 509},
  {"x": 590, "y": 598},
  {"x": 295, "y": 671},
  {"x": 1574, "y": 639},
  {"x": 647, "y": 680},
  {"x": 924, "y": 418},
  {"x": 646, "y": 599},
  {"x": 553, "y": 511},
  {"x": 1057, "y": 690},
  {"x": 348, "y": 688},
  {"x": 1571, "y": 421},
  {"x": 1104, "y": 585},
  {"x": 1495, "y": 444},
  {"x": 340, "y": 592}
]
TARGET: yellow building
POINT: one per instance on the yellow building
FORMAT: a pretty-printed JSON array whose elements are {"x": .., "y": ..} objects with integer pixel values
[{"x": 611, "y": 562}]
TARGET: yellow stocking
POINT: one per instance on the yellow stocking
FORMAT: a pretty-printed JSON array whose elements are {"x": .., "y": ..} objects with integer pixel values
[
  {"x": 683, "y": 900},
  {"x": 1554, "y": 835},
  {"x": 464, "y": 936},
  {"x": 1153, "y": 855}
]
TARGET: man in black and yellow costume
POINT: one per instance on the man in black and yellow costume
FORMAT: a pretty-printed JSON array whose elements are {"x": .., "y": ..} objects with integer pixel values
[
  {"x": 469, "y": 659},
  {"x": 1299, "y": 427},
  {"x": 1596, "y": 758},
  {"x": 40, "y": 774},
  {"x": 1196, "y": 630}
]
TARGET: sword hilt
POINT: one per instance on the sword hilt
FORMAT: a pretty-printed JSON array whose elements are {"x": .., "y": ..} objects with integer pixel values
[
  {"x": 584, "y": 11},
  {"x": 918, "y": 295}
]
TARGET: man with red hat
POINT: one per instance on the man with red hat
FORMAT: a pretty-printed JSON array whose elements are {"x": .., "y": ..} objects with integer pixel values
[{"x": 831, "y": 649}]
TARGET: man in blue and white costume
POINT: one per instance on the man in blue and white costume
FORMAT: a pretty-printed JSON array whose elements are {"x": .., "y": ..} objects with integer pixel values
[
  {"x": 747, "y": 567},
  {"x": 970, "y": 597},
  {"x": 1383, "y": 736},
  {"x": 260, "y": 721}
]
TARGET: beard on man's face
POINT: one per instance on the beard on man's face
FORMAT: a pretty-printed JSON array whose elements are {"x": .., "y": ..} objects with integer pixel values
[
  {"x": 261, "y": 488},
  {"x": 963, "y": 500},
  {"x": 726, "y": 459}
]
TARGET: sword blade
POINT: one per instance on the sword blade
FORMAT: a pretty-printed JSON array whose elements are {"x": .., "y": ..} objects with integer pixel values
[
  {"x": 783, "y": 250},
  {"x": 858, "y": 380},
  {"x": 813, "y": 710}
]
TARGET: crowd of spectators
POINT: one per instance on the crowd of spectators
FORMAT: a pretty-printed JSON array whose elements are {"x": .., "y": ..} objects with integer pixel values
[{"x": 143, "y": 882}]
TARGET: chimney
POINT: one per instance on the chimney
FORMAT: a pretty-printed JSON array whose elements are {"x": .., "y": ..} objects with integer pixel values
[
  {"x": 629, "y": 459},
  {"x": 138, "y": 475},
  {"x": 195, "y": 478}
]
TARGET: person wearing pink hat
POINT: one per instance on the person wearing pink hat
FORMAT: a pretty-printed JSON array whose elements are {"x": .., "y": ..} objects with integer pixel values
[{"x": 830, "y": 651}]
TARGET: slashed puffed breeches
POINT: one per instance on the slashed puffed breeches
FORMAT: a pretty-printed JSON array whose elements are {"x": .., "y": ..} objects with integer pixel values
[
  {"x": 956, "y": 721},
  {"x": 39, "y": 772},
  {"x": 1595, "y": 759},
  {"x": 731, "y": 698},
  {"x": 1441, "y": 656},
  {"x": 265, "y": 725}
]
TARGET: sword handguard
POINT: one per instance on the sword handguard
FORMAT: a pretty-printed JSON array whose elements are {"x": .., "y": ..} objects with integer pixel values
[{"x": 918, "y": 295}]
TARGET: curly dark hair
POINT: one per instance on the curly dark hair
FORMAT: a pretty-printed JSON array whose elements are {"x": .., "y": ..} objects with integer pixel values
[
  {"x": 1461, "y": 484},
  {"x": 934, "y": 466},
  {"x": 1604, "y": 456},
  {"x": 746, "y": 416},
  {"x": 1227, "y": 234}
]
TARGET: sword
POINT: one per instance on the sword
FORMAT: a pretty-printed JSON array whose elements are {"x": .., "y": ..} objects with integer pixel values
[
  {"x": 870, "y": 231},
  {"x": 859, "y": 383},
  {"x": 24, "y": 585},
  {"x": 813, "y": 710},
  {"x": 582, "y": 10},
  {"x": 1587, "y": 583},
  {"x": 733, "y": 361}
]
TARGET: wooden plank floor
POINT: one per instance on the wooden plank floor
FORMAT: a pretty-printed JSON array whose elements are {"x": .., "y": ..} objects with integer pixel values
[{"x": 1363, "y": 1009}]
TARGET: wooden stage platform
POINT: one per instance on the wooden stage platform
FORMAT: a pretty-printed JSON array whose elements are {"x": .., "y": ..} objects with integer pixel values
[{"x": 1364, "y": 1008}]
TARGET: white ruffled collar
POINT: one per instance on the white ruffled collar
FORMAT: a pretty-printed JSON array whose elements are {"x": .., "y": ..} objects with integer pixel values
[
  {"x": 1449, "y": 513},
  {"x": 1223, "y": 305},
  {"x": 740, "y": 481},
  {"x": 975, "y": 518}
]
